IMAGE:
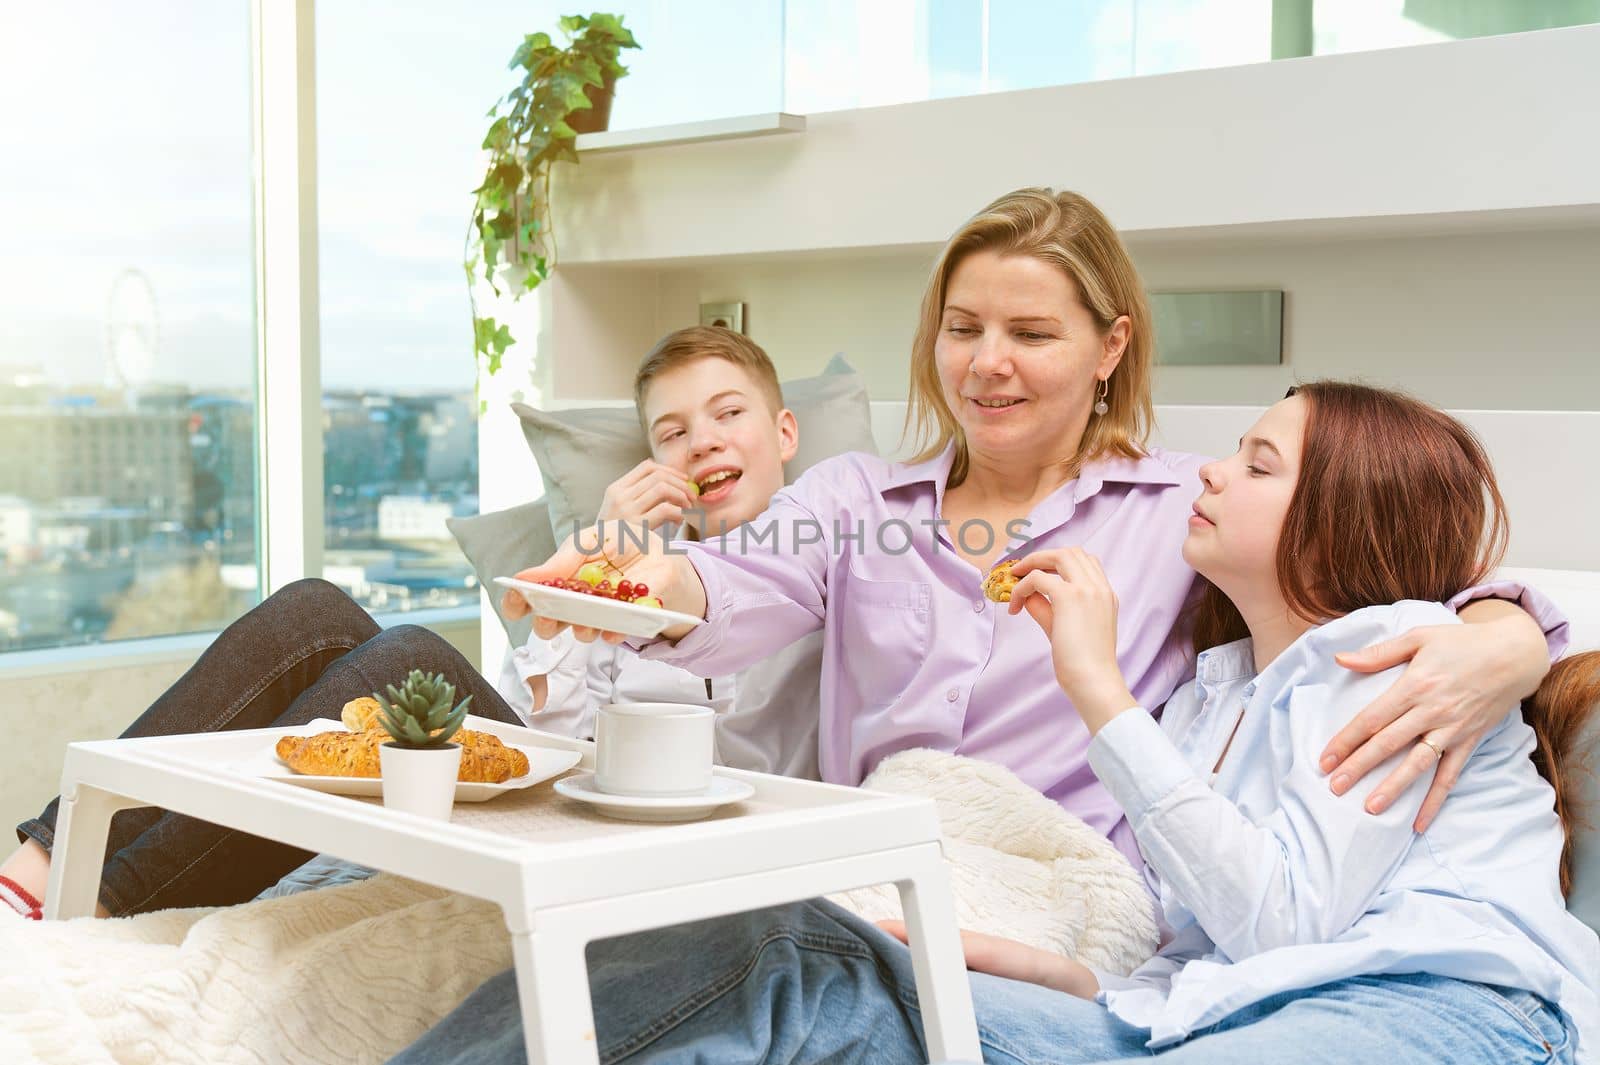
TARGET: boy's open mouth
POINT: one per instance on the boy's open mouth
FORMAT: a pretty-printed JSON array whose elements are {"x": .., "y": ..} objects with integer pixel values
[{"x": 717, "y": 483}]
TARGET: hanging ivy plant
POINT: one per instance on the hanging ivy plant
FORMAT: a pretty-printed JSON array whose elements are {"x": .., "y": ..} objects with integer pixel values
[{"x": 510, "y": 242}]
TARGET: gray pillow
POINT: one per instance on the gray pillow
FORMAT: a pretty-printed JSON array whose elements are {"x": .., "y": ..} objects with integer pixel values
[
  {"x": 834, "y": 415},
  {"x": 581, "y": 451},
  {"x": 500, "y": 544}
]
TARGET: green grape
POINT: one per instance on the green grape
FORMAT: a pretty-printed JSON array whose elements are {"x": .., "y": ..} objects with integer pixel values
[
  {"x": 648, "y": 600},
  {"x": 591, "y": 573}
]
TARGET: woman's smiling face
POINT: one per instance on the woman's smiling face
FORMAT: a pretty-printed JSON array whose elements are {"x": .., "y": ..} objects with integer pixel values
[{"x": 1020, "y": 358}]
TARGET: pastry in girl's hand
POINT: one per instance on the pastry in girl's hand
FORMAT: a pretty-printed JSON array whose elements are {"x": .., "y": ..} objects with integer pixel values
[{"x": 998, "y": 584}]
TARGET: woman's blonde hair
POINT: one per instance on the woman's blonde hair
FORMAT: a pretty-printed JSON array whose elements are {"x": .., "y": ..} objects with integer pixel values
[{"x": 1069, "y": 232}]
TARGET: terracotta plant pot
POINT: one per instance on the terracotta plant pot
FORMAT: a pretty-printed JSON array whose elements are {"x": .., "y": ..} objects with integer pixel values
[
  {"x": 597, "y": 116},
  {"x": 420, "y": 780}
]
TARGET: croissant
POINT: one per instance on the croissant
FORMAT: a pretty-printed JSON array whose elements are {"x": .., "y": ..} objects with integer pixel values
[
  {"x": 332, "y": 754},
  {"x": 360, "y": 714},
  {"x": 363, "y": 714},
  {"x": 484, "y": 759}
]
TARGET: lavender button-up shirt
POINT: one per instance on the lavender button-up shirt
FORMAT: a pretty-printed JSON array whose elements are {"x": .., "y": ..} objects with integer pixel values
[{"x": 913, "y": 654}]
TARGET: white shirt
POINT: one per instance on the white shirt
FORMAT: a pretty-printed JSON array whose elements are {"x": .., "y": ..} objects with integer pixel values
[
  {"x": 1272, "y": 883},
  {"x": 767, "y": 714}
]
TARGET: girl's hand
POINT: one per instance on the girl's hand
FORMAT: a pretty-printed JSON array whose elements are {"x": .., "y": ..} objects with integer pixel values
[
  {"x": 671, "y": 577},
  {"x": 649, "y": 495},
  {"x": 1066, "y": 592},
  {"x": 1010, "y": 960},
  {"x": 1461, "y": 682}
]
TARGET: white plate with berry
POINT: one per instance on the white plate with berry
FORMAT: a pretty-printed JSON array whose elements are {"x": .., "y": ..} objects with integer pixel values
[{"x": 598, "y": 606}]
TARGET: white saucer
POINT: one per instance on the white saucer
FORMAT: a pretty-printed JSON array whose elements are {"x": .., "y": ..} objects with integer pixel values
[{"x": 722, "y": 791}]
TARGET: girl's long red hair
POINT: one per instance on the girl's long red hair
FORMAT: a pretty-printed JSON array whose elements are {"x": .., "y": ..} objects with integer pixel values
[{"x": 1398, "y": 500}]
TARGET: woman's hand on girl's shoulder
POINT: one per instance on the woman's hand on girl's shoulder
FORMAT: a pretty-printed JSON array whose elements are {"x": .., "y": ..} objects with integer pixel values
[{"x": 1460, "y": 682}]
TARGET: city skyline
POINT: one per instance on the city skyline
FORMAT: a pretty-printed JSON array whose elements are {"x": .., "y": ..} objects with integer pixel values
[{"x": 139, "y": 516}]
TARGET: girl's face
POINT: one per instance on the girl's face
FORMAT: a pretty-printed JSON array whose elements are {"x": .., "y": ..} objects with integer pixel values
[
  {"x": 1233, "y": 533},
  {"x": 1020, "y": 358}
]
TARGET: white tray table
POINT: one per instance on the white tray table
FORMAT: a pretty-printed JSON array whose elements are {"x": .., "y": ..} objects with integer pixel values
[{"x": 563, "y": 875}]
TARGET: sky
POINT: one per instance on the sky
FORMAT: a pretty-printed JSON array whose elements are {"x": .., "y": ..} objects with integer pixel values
[
  {"x": 142, "y": 161},
  {"x": 126, "y": 145}
]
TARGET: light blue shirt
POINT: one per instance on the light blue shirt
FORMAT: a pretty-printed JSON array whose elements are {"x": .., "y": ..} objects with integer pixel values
[{"x": 1272, "y": 883}]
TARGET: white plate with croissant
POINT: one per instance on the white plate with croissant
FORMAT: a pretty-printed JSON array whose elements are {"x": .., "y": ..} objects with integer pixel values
[{"x": 346, "y": 761}]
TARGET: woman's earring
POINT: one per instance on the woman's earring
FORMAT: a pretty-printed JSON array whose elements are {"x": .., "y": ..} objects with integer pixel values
[{"x": 1100, "y": 406}]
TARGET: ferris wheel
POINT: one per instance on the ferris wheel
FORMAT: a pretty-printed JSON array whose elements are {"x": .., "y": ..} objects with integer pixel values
[{"x": 133, "y": 329}]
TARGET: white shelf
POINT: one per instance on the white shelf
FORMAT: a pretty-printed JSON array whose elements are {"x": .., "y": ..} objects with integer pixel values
[{"x": 716, "y": 129}]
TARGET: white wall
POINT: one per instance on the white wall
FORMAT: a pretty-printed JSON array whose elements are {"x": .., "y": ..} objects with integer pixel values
[
  {"x": 1491, "y": 320},
  {"x": 1504, "y": 320}
]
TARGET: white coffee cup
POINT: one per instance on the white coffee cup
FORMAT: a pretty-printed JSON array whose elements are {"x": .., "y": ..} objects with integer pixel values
[{"x": 653, "y": 749}]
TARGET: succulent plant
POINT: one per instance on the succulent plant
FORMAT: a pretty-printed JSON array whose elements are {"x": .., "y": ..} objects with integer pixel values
[{"x": 422, "y": 712}]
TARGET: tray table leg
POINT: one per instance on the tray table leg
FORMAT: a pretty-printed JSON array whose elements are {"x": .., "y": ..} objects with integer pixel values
[
  {"x": 938, "y": 962},
  {"x": 553, "y": 990},
  {"x": 83, "y": 821}
]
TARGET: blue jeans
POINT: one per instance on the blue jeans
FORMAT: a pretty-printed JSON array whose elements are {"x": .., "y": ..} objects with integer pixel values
[{"x": 811, "y": 983}]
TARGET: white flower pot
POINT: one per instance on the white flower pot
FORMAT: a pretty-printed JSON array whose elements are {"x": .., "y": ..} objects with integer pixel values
[{"x": 420, "y": 781}]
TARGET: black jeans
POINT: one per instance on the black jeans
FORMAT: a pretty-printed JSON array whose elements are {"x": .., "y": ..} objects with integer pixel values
[{"x": 301, "y": 654}]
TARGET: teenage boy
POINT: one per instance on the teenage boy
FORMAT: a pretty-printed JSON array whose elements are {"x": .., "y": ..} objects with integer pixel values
[{"x": 714, "y": 418}]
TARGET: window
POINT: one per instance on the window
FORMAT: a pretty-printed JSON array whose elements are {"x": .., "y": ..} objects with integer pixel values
[
  {"x": 395, "y": 168},
  {"x": 127, "y": 349}
]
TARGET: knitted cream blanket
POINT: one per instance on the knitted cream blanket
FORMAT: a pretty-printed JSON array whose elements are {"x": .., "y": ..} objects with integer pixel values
[{"x": 355, "y": 972}]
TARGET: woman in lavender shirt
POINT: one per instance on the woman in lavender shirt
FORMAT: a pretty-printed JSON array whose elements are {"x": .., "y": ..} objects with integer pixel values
[{"x": 1031, "y": 383}]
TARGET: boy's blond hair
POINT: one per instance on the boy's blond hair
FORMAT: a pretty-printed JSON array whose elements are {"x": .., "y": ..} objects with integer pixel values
[{"x": 697, "y": 342}]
